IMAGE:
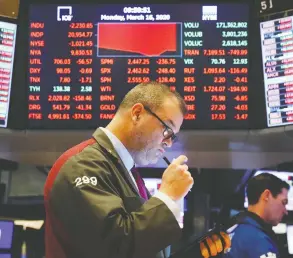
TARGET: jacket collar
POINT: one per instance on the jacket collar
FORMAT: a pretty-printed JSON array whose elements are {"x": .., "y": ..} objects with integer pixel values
[
  {"x": 258, "y": 221},
  {"x": 103, "y": 140},
  {"x": 105, "y": 143}
]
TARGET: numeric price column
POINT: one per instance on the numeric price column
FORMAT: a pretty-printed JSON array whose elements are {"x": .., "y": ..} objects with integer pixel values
[
  {"x": 81, "y": 43},
  {"x": 60, "y": 97},
  {"x": 165, "y": 72},
  {"x": 235, "y": 41},
  {"x": 217, "y": 88},
  {"x": 36, "y": 45},
  {"x": 138, "y": 70}
]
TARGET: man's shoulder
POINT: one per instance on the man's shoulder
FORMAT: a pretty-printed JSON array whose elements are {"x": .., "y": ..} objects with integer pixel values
[
  {"x": 246, "y": 229},
  {"x": 248, "y": 233},
  {"x": 79, "y": 159},
  {"x": 85, "y": 163}
]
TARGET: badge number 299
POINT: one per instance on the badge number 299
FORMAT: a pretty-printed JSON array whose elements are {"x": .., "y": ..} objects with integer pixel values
[{"x": 85, "y": 180}]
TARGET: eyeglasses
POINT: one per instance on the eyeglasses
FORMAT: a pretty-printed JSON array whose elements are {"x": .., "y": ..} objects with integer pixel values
[{"x": 168, "y": 133}]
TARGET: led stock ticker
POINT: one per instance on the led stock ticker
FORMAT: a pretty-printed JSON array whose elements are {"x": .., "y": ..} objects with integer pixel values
[
  {"x": 78, "y": 78},
  {"x": 7, "y": 48},
  {"x": 277, "y": 53}
]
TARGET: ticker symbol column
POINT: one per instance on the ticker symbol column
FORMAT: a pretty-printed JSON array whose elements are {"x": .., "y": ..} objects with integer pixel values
[
  {"x": 107, "y": 96},
  {"x": 192, "y": 42},
  {"x": 36, "y": 46}
]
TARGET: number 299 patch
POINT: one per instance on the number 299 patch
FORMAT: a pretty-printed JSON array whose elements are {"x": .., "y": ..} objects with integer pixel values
[{"x": 85, "y": 180}]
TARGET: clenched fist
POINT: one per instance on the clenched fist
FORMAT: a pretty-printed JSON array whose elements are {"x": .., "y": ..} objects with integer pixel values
[{"x": 176, "y": 180}]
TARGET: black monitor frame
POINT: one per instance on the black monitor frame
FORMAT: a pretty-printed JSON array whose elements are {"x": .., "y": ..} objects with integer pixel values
[{"x": 12, "y": 102}]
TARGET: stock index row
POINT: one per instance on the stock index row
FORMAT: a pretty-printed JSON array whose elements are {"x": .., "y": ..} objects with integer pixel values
[{"x": 84, "y": 62}]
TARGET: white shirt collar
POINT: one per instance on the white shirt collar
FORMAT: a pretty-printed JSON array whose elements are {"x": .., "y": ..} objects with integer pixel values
[{"x": 120, "y": 148}]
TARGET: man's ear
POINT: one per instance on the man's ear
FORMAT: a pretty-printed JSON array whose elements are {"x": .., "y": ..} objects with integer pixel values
[
  {"x": 136, "y": 112},
  {"x": 265, "y": 195}
]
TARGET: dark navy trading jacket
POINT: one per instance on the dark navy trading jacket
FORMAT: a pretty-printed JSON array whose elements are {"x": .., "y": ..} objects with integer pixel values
[{"x": 252, "y": 238}]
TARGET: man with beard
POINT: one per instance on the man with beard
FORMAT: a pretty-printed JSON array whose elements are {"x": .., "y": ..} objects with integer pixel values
[
  {"x": 96, "y": 202},
  {"x": 253, "y": 237}
]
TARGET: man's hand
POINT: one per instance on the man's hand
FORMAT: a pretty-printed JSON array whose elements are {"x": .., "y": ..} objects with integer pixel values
[
  {"x": 176, "y": 180},
  {"x": 215, "y": 244}
]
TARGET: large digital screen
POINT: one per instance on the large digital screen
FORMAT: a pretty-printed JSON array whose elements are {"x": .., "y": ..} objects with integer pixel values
[
  {"x": 7, "y": 47},
  {"x": 277, "y": 56},
  {"x": 285, "y": 176},
  {"x": 84, "y": 58}
]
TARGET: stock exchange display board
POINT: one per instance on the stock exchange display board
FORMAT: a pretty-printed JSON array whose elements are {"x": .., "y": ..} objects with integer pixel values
[
  {"x": 84, "y": 58},
  {"x": 7, "y": 48},
  {"x": 277, "y": 56}
]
